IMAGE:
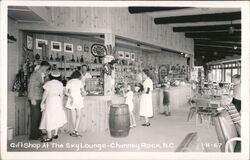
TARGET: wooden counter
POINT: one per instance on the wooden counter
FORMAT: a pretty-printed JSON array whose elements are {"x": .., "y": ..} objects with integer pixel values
[{"x": 95, "y": 114}]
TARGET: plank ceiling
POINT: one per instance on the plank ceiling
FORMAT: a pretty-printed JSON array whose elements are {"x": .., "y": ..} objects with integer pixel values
[{"x": 216, "y": 31}]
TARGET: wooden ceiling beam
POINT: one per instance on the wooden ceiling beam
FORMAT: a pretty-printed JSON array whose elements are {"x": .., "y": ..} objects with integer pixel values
[
  {"x": 206, "y": 28},
  {"x": 236, "y": 39},
  {"x": 218, "y": 43},
  {"x": 212, "y": 34},
  {"x": 219, "y": 51},
  {"x": 199, "y": 18},
  {"x": 134, "y": 10},
  {"x": 212, "y": 54}
]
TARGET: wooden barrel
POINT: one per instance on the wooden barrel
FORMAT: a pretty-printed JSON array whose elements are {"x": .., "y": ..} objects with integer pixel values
[{"x": 119, "y": 122}]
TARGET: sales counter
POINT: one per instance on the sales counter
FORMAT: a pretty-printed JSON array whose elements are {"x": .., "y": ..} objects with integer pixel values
[{"x": 95, "y": 114}]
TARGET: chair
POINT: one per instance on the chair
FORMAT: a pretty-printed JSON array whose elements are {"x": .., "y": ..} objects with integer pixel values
[
  {"x": 201, "y": 107},
  {"x": 203, "y": 110},
  {"x": 191, "y": 143},
  {"x": 192, "y": 108},
  {"x": 227, "y": 132}
]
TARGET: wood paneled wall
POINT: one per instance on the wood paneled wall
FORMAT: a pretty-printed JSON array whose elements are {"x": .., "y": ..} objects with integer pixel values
[
  {"x": 13, "y": 56},
  {"x": 139, "y": 27}
]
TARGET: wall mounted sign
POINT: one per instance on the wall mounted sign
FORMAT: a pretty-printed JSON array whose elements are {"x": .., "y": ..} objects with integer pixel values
[
  {"x": 29, "y": 42},
  {"x": 40, "y": 43},
  {"x": 68, "y": 47},
  {"x": 98, "y": 50},
  {"x": 56, "y": 46}
]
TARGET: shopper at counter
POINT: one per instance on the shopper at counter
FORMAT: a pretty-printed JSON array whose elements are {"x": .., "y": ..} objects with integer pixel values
[
  {"x": 146, "y": 106},
  {"x": 53, "y": 115},
  {"x": 35, "y": 93},
  {"x": 75, "y": 92},
  {"x": 237, "y": 92}
]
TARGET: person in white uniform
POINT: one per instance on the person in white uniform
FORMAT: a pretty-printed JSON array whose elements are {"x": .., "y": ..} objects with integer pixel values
[
  {"x": 75, "y": 92},
  {"x": 85, "y": 74},
  {"x": 146, "y": 106},
  {"x": 53, "y": 114}
]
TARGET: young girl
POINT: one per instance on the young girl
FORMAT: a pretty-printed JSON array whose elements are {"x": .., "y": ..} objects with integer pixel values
[
  {"x": 166, "y": 102},
  {"x": 129, "y": 101},
  {"x": 53, "y": 115},
  {"x": 75, "y": 92}
]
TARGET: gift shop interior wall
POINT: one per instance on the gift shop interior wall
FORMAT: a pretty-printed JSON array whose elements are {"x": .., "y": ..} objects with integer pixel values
[{"x": 145, "y": 58}]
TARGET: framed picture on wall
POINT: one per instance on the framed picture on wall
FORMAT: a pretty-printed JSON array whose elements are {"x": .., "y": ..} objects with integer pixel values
[
  {"x": 127, "y": 55},
  {"x": 132, "y": 55},
  {"x": 120, "y": 54},
  {"x": 56, "y": 46},
  {"x": 68, "y": 47},
  {"x": 79, "y": 48},
  {"x": 40, "y": 43},
  {"x": 29, "y": 42},
  {"x": 86, "y": 49}
]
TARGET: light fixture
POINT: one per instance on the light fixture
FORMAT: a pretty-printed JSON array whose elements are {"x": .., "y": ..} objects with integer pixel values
[
  {"x": 231, "y": 28},
  {"x": 235, "y": 47},
  {"x": 215, "y": 53}
]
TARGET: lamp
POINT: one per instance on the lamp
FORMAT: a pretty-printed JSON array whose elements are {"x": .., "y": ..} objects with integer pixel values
[
  {"x": 235, "y": 47},
  {"x": 231, "y": 28}
]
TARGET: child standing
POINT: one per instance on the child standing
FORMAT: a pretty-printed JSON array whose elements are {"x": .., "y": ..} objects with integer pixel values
[
  {"x": 129, "y": 101},
  {"x": 53, "y": 115},
  {"x": 75, "y": 92},
  {"x": 166, "y": 102}
]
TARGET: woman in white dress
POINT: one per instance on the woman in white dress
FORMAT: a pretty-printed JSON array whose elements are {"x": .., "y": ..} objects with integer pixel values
[
  {"x": 53, "y": 114},
  {"x": 146, "y": 106},
  {"x": 75, "y": 92},
  {"x": 129, "y": 101}
]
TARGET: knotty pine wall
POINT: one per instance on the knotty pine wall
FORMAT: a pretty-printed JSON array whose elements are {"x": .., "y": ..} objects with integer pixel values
[
  {"x": 138, "y": 27},
  {"x": 14, "y": 59}
]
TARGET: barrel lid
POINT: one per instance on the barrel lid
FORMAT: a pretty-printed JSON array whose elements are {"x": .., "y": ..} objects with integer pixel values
[{"x": 119, "y": 105}]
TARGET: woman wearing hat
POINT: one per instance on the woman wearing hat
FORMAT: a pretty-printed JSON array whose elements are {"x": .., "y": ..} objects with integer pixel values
[{"x": 53, "y": 116}]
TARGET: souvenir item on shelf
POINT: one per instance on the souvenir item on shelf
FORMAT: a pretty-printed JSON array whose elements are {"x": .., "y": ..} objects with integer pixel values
[
  {"x": 77, "y": 59},
  {"x": 73, "y": 59},
  {"x": 81, "y": 59},
  {"x": 37, "y": 56},
  {"x": 51, "y": 58},
  {"x": 57, "y": 57},
  {"x": 62, "y": 58},
  {"x": 95, "y": 61}
]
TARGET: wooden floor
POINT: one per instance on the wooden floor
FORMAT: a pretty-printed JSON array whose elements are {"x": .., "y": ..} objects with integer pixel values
[{"x": 164, "y": 135}]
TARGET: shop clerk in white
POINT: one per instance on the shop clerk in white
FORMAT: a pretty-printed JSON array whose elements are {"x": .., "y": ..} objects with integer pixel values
[
  {"x": 85, "y": 74},
  {"x": 146, "y": 106}
]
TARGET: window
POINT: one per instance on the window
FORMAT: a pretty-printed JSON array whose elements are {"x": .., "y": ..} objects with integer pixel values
[{"x": 228, "y": 75}]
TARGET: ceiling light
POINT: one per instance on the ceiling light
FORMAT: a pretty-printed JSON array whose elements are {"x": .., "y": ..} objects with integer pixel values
[
  {"x": 235, "y": 47},
  {"x": 231, "y": 29}
]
